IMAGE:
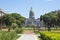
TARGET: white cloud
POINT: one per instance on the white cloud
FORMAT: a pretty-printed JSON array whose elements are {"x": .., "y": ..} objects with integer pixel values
[{"x": 50, "y": 0}]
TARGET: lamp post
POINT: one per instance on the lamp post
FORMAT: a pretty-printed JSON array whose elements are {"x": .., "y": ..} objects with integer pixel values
[
  {"x": 38, "y": 28},
  {"x": 49, "y": 25},
  {"x": 33, "y": 26}
]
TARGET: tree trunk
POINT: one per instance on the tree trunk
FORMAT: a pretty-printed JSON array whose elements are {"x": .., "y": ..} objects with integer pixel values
[{"x": 9, "y": 29}]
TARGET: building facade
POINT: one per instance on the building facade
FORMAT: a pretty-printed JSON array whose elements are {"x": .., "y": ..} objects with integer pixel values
[
  {"x": 1, "y": 14},
  {"x": 31, "y": 20}
]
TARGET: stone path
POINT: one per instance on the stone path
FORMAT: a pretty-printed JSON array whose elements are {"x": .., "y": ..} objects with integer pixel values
[{"x": 28, "y": 37}]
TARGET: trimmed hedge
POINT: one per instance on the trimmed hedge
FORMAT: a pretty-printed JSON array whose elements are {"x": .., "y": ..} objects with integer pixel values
[
  {"x": 8, "y": 35},
  {"x": 50, "y": 35}
]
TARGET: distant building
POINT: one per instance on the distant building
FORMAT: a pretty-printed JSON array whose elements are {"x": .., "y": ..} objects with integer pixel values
[
  {"x": 31, "y": 20},
  {"x": 31, "y": 14},
  {"x": 1, "y": 14}
]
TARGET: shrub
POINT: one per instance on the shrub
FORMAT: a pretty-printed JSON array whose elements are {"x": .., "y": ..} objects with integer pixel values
[
  {"x": 18, "y": 30},
  {"x": 8, "y": 35},
  {"x": 50, "y": 35}
]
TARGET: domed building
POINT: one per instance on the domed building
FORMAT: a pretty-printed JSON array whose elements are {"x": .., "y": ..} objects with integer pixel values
[
  {"x": 31, "y": 14},
  {"x": 31, "y": 19}
]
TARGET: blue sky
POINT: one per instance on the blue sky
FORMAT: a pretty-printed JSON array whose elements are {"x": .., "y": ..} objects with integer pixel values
[{"x": 23, "y": 7}]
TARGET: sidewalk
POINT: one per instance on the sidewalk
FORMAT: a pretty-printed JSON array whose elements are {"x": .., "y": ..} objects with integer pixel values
[{"x": 28, "y": 37}]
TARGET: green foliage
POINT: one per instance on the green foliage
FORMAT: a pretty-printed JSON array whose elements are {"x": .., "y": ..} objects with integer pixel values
[
  {"x": 19, "y": 20},
  {"x": 19, "y": 30},
  {"x": 7, "y": 19},
  {"x": 50, "y": 16},
  {"x": 59, "y": 14},
  {"x": 14, "y": 25},
  {"x": 8, "y": 35},
  {"x": 13, "y": 20},
  {"x": 50, "y": 19},
  {"x": 50, "y": 35},
  {"x": 18, "y": 17}
]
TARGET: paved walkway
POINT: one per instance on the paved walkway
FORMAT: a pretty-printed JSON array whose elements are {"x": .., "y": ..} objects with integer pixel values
[{"x": 28, "y": 37}]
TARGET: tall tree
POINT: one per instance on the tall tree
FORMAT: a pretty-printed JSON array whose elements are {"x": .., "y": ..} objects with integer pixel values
[
  {"x": 19, "y": 19},
  {"x": 49, "y": 19},
  {"x": 58, "y": 18},
  {"x": 7, "y": 19}
]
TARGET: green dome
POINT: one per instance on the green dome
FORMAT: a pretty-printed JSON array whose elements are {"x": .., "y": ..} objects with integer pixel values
[{"x": 31, "y": 13}]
